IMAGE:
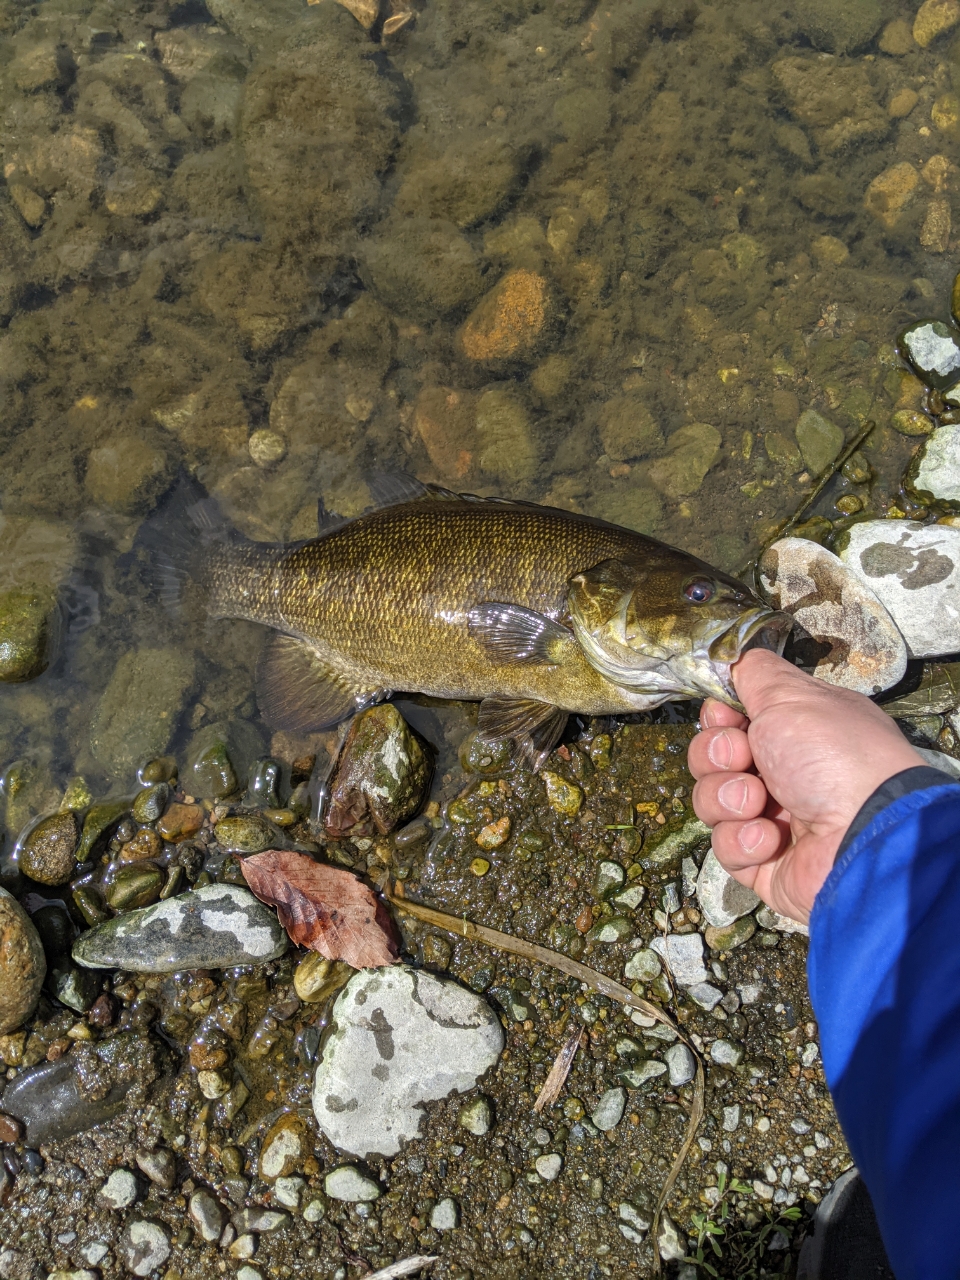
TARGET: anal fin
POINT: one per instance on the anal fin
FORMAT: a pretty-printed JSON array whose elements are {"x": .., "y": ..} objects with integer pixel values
[
  {"x": 298, "y": 691},
  {"x": 535, "y": 726}
]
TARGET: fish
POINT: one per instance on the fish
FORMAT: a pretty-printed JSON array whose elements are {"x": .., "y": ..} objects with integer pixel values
[{"x": 533, "y": 611}]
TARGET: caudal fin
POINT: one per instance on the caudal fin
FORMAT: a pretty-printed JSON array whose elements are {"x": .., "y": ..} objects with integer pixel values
[{"x": 178, "y": 543}]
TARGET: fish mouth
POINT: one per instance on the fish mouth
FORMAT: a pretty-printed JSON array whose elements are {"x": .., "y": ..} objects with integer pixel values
[{"x": 760, "y": 629}]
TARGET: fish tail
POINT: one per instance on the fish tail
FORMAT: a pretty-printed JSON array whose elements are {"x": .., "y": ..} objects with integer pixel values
[{"x": 193, "y": 554}]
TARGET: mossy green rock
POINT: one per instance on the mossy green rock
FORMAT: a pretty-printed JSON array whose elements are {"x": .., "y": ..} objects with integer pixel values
[
  {"x": 47, "y": 851},
  {"x": 29, "y": 629},
  {"x": 248, "y": 833},
  {"x": 140, "y": 707},
  {"x": 150, "y": 803},
  {"x": 732, "y": 935},
  {"x": 135, "y": 886},
  {"x": 422, "y": 267},
  {"x": 673, "y": 844},
  {"x": 381, "y": 776},
  {"x": 220, "y": 758},
  {"x": 692, "y": 451},
  {"x": 99, "y": 817},
  {"x": 838, "y": 28},
  {"x": 820, "y": 440}
]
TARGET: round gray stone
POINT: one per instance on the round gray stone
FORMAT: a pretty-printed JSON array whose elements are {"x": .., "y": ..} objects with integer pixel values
[
  {"x": 548, "y": 1166},
  {"x": 680, "y": 1064},
  {"x": 643, "y": 966},
  {"x": 914, "y": 571},
  {"x": 144, "y": 1246},
  {"x": 445, "y": 1215},
  {"x": 609, "y": 1110},
  {"x": 726, "y": 1053},
  {"x": 120, "y": 1189},
  {"x": 936, "y": 469},
  {"x": 401, "y": 1037},
  {"x": 683, "y": 953},
  {"x": 215, "y": 927},
  {"x": 349, "y": 1184},
  {"x": 830, "y": 602},
  {"x": 722, "y": 899}
]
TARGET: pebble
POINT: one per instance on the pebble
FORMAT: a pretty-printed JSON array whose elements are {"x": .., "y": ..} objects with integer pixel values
[
  {"x": 609, "y": 1110},
  {"x": 726, "y": 1054},
  {"x": 247, "y": 833},
  {"x": 348, "y": 1183},
  {"x": 674, "y": 843},
  {"x": 637, "y": 1077},
  {"x": 633, "y": 1224},
  {"x": 149, "y": 804},
  {"x": 691, "y": 452},
  {"x": 819, "y": 439},
  {"x": 29, "y": 627},
  {"x": 316, "y": 978},
  {"x": 120, "y": 1189},
  {"x": 562, "y": 796},
  {"x": 23, "y": 965},
  {"x": 243, "y": 1247},
  {"x": 249, "y": 1273},
  {"x": 266, "y": 447},
  {"x": 287, "y": 1191},
  {"x": 215, "y": 927},
  {"x": 933, "y": 349},
  {"x": 144, "y": 1246},
  {"x": 733, "y": 935},
  {"x": 548, "y": 1166},
  {"x": 683, "y": 953},
  {"x": 159, "y": 1166},
  {"x": 866, "y": 651},
  {"x": 47, "y": 1101},
  {"x": 914, "y": 570},
  {"x": 935, "y": 470},
  {"x": 723, "y": 899},
  {"x": 380, "y": 776},
  {"x": 672, "y": 1248},
  {"x": 613, "y": 929},
  {"x": 705, "y": 995},
  {"x": 769, "y": 919},
  {"x": 445, "y": 1215},
  {"x": 180, "y": 822},
  {"x": 286, "y": 1145},
  {"x": 314, "y": 1211},
  {"x": 508, "y": 322},
  {"x": 731, "y": 1118},
  {"x": 46, "y": 852},
  {"x": 134, "y": 886},
  {"x": 610, "y": 876},
  {"x": 476, "y": 1116},
  {"x": 259, "y": 1221},
  {"x": 643, "y": 966},
  {"x": 207, "y": 1215},
  {"x": 891, "y": 192},
  {"x": 402, "y": 1037},
  {"x": 680, "y": 1064}
]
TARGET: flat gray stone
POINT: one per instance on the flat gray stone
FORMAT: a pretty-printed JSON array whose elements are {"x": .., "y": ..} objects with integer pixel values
[
  {"x": 609, "y": 1110},
  {"x": 401, "y": 1037},
  {"x": 722, "y": 899},
  {"x": 683, "y": 953},
  {"x": 216, "y": 927},
  {"x": 705, "y": 995},
  {"x": 914, "y": 571},
  {"x": 770, "y": 919},
  {"x": 349, "y": 1184},
  {"x": 832, "y": 604},
  {"x": 637, "y": 1077},
  {"x": 680, "y": 1064},
  {"x": 144, "y": 1247},
  {"x": 445, "y": 1215},
  {"x": 937, "y": 466},
  {"x": 726, "y": 1053},
  {"x": 643, "y": 966}
]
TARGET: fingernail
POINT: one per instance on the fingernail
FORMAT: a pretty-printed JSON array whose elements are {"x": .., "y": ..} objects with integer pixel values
[
  {"x": 720, "y": 751},
  {"x": 733, "y": 795},
  {"x": 750, "y": 836}
]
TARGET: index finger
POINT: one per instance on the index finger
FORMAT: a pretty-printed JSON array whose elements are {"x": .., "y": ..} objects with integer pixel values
[{"x": 717, "y": 715}]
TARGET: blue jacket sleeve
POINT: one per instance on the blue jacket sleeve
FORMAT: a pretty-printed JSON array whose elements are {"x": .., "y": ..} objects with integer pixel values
[{"x": 884, "y": 973}]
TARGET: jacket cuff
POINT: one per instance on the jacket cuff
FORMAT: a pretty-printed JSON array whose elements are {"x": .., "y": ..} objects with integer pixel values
[{"x": 919, "y": 778}]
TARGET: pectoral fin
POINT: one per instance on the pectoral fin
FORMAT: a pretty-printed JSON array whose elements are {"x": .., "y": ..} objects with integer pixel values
[
  {"x": 511, "y": 633},
  {"x": 535, "y": 725},
  {"x": 299, "y": 692}
]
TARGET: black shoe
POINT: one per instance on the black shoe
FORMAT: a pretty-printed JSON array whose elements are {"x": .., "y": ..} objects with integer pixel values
[{"x": 844, "y": 1243}]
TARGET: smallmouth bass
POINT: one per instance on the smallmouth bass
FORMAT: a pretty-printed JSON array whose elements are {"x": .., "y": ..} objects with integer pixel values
[{"x": 533, "y": 611}]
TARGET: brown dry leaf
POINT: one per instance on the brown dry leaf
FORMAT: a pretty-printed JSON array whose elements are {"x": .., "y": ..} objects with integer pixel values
[
  {"x": 322, "y": 907},
  {"x": 559, "y": 1071}
]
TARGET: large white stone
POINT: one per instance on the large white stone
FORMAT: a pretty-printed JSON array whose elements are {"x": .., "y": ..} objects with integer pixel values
[
  {"x": 914, "y": 570},
  {"x": 722, "y": 899},
  {"x": 401, "y": 1037},
  {"x": 683, "y": 953},
  {"x": 938, "y": 464},
  {"x": 831, "y": 603}
]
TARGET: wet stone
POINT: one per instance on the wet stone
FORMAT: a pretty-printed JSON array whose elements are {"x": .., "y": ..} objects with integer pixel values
[
  {"x": 726, "y": 1053},
  {"x": 609, "y": 1110},
  {"x": 730, "y": 936},
  {"x": 445, "y": 1215},
  {"x": 476, "y": 1116},
  {"x": 47, "y": 852},
  {"x": 401, "y": 1037},
  {"x": 248, "y": 833},
  {"x": 29, "y": 629},
  {"x": 349, "y": 1184},
  {"x": 691, "y": 452},
  {"x": 207, "y": 1215},
  {"x": 637, "y": 1077},
  {"x": 673, "y": 844},
  {"x": 144, "y": 1246},
  {"x": 681, "y": 1065},
  {"x": 723, "y": 899},
  {"x": 259, "y": 1221},
  {"x": 316, "y": 978},
  {"x": 643, "y": 966},
  {"x": 180, "y": 822},
  {"x": 705, "y": 995},
  {"x": 610, "y": 876},
  {"x": 284, "y": 1148},
  {"x": 133, "y": 887},
  {"x": 120, "y": 1189},
  {"x": 856, "y": 644},
  {"x": 100, "y": 817},
  {"x": 914, "y": 570},
  {"x": 769, "y": 919},
  {"x": 139, "y": 709},
  {"x": 510, "y": 321},
  {"x": 562, "y": 796},
  {"x": 935, "y": 471},
  {"x": 215, "y": 927},
  {"x": 684, "y": 956},
  {"x": 159, "y": 1166},
  {"x": 150, "y": 803},
  {"x": 820, "y": 440},
  {"x": 933, "y": 349},
  {"x": 380, "y": 778},
  {"x": 23, "y": 965},
  {"x": 614, "y": 929}
]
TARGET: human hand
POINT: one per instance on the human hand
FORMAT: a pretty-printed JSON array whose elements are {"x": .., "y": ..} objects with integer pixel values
[{"x": 781, "y": 787}]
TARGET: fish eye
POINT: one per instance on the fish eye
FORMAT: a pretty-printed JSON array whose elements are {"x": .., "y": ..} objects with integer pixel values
[{"x": 698, "y": 591}]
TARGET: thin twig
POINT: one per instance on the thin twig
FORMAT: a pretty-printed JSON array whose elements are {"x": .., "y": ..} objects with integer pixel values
[
  {"x": 600, "y": 982},
  {"x": 558, "y": 1073},
  {"x": 828, "y": 475}
]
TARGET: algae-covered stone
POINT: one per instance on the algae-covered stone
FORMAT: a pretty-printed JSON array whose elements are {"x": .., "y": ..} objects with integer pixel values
[
  {"x": 838, "y": 28},
  {"x": 914, "y": 570},
  {"x": 730, "y": 936},
  {"x": 933, "y": 349},
  {"x": 134, "y": 886},
  {"x": 129, "y": 473},
  {"x": 891, "y": 192},
  {"x": 671, "y": 845},
  {"x": 215, "y": 927},
  {"x": 422, "y": 267},
  {"x": 401, "y": 1037},
  {"x": 248, "y": 833},
  {"x": 508, "y": 447},
  {"x": 691, "y": 452},
  {"x": 563, "y": 796},
  {"x": 150, "y": 803},
  {"x": 820, "y": 440},
  {"x": 99, "y": 818},
  {"x": 220, "y": 757},
  {"x": 834, "y": 99},
  {"x": 46, "y": 853},
  {"x": 464, "y": 184},
  {"x": 510, "y": 322},
  {"x": 380, "y": 777},
  {"x": 22, "y": 965},
  {"x": 856, "y": 644},
  {"x": 29, "y": 632},
  {"x": 139, "y": 708},
  {"x": 934, "y": 18},
  {"x": 628, "y": 429}
]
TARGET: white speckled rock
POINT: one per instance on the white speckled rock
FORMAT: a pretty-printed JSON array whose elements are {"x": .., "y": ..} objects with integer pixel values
[
  {"x": 683, "y": 953},
  {"x": 914, "y": 571},
  {"x": 402, "y": 1037},
  {"x": 216, "y": 927},
  {"x": 680, "y": 1064},
  {"x": 770, "y": 919},
  {"x": 120, "y": 1189},
  {"x": 830, "y": 602},
  {"x": 936, "y": 467},
  {"x": 722, "y": 899}
]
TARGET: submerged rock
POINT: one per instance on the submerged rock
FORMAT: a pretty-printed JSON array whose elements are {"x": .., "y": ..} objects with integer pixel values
[
  {"x": 914, "y": 570},
  {"x": 23, "y": 965},
  {"x": 29, "y": 633},
  {"x": 692, "y": 451},
  {"x": 722, "y": 899},
  {"x": 854, "y": 641},
  {"x": 380, "y": 777},
  {"x": 46, "y": 853},
  {"x": 139, "y": 709},
  {"x": 820, "y": 440},
  {"x": 49, "y": 1103},
  {"x": 215, "y": 927},
  {"x": 510, "y": 322},
  {"x": 402, "y": 1037}
]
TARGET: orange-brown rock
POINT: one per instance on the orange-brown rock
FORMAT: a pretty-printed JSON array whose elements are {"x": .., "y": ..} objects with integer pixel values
[
  {"x": 23, "y": 965},
  {"x": 509, "y": 322},
  {"x": 180, "y": 822},
  {"x": 443, "y": 419},
  {"x": 145, "y": 844}
]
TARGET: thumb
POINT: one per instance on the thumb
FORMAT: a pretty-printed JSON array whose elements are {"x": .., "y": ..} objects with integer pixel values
[{"x": 761, "y": 679}]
